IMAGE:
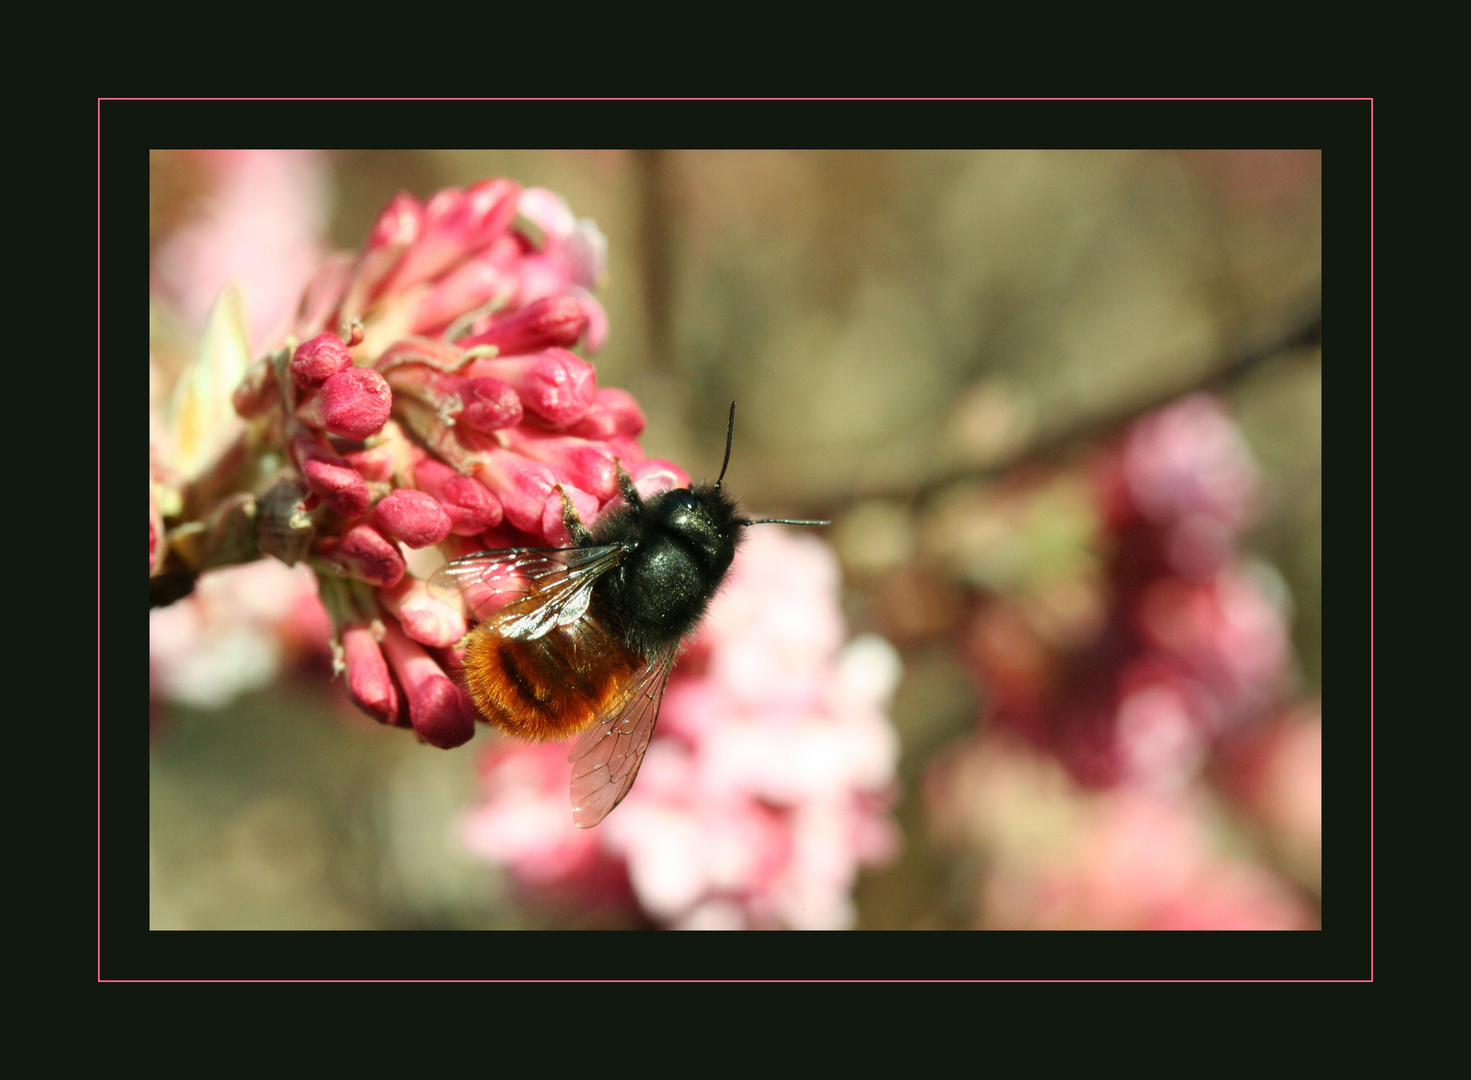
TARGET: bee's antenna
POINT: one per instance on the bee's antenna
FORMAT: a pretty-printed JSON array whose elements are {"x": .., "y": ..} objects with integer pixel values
[
  {"x": 781, "y": 521},
  {"x": 729, "y": 433}
]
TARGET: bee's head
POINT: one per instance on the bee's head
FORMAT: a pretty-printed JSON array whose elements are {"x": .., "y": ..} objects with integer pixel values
[{"x": 705, "y": 517}]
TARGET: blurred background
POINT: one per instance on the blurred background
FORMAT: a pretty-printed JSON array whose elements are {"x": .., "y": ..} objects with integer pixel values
[{"x": 1064, "y": 410}]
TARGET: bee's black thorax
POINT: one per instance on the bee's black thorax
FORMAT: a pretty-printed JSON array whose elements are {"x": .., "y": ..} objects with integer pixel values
[{"x": 682, "y": 544}]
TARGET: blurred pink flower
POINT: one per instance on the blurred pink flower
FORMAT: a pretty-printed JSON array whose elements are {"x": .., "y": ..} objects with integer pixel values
[
  {"x": 1191, "y": 646},
  {"x": 768, "y": 782},
  {"x": 1144, "y": 862},
  {"x": 261, "y": 224},
  {"x": 1275, "y": 771},
  {"x": 234, "y": 633},
  {"x": 1254, "y": 183},
  {"x": 1058, "y": 857}
]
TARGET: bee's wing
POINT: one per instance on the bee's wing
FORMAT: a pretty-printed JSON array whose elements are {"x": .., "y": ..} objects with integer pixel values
[
  {"x": 606, "y": 758},
  {"x": 524, "y": 592}
]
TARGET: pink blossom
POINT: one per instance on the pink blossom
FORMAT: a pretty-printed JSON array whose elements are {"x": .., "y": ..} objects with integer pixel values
[
  {"x": 768, "y": 781},
  {"x": 526, "y": 826},
  {"x": 1189, "y": 459}
]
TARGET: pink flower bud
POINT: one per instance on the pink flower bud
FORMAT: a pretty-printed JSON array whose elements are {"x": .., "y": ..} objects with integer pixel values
[
  {"x": 565, "y": 263},
  {"x": 597, "y": 320},
  {"x": 554, "y": 321},
  {"x": 354, "y": 403},
  {"x": 490, "y": 405},
  {"x": 317, "y": 360},
  {"x": 398, "y": 224},
  {"x": 652, "y": 476},
  {"x": 626, "y": 449},
  {"x": 552, "y": 525},
  {"x": 613, "y": 412},
  {"x": 469, "y": 286},
  {"x": 586, "y": 254},
  {"x": 1189, "y": 458},
  {"x": 549, "y": 211},
  {"x": 398, "y": 227},
  {"x": 418, "y": 359},
  {"x": 469, "y": 504},
  {"x": 486, "y": 212},
  {"x": 506, "y": 251},
  {"x": 412, "y": 516},
  {"x": 323, "y": 295},
  {"x": 436, "y": 709},
  {"x": 367, "y": 555},
  {"x": 522, "y": 486},
  {"x": 368, "y": 679},
  {"x": 374, "y": 465},
  {"x": 553, "y": 383},
  {"x": 258, "y": 390},
  {"x": 458, "y": 224},
  {"x": 423, "y": 618},
  {"x": 588, "y": 465},
  {"x": 328, "y": 475}
]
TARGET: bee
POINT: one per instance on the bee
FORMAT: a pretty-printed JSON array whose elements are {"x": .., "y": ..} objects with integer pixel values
[{"x": 580, "y": 640}]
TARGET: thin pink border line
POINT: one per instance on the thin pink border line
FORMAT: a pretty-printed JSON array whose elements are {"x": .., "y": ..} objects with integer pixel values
[
  {"x": 99, "y": 539},
  {"x": 762, "y": 99},
  {"x": 1371, "y": 539}
]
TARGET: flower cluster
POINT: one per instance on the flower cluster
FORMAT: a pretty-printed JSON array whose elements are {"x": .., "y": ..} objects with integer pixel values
[
  {"x": 767, "y": 784},
  {"x": 427, "y": 401},
  {"x": 1190, "y": 645}
]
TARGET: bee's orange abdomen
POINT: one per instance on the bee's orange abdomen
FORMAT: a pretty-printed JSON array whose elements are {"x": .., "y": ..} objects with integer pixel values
[{"x": 548, "y": 688}]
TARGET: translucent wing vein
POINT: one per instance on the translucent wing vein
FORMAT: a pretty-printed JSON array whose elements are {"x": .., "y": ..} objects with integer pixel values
[
  {"x": 606, "y": 759},
  {"x": 524, "y": 592}
]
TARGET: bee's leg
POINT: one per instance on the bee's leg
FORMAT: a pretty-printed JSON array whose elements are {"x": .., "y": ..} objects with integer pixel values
[
  {"x": 625, "y": 485},
  {"x": 573, "y": 524}
]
